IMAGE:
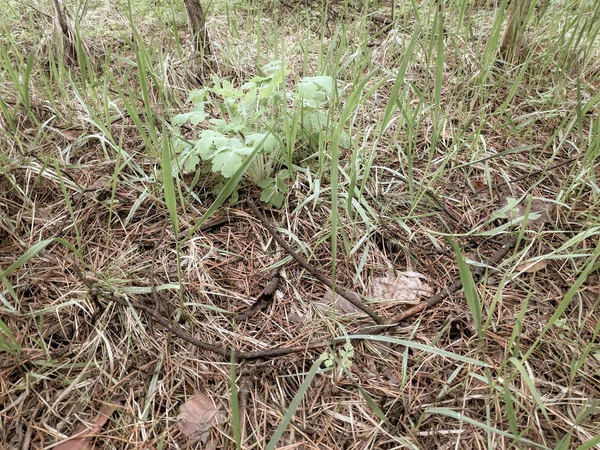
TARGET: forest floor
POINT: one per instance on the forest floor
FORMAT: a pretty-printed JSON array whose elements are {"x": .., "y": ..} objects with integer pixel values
[{"x": 452, "y": 195}]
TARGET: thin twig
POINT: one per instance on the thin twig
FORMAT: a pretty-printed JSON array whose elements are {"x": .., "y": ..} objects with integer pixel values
[
  {"x": 158, "y": 306},
  {"x": 182, "y": 334},
  {"x": 266, "y": 296},
  {"x": 282, "y": 351},
  {"x": 176, "y": 330},
  {"x": 35, "y": 9},
  {"x": 351, "y": 296},
  {"x": 153, "y": 265}
]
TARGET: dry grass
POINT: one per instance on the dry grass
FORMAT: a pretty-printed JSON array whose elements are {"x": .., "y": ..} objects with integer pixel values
[{"x": 74, "y": 357}]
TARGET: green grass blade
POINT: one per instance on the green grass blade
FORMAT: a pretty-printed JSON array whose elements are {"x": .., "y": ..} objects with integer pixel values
[
  {"x": 562, "y": 306},
  {"x": 169, "y": 185},
  {"x": 458, "y": 416},
  {"x": 8, "y": 343},
  {"x": 469, "y": 288},
  {"x": 399, "y": 82},
  {"x": 294, "y": 405},
  {"x": 415, "y": 345},
  {"x": 235, "y": 404},
  {"x": 592, "y": 443},
  {"x": 25, "y": 257}
]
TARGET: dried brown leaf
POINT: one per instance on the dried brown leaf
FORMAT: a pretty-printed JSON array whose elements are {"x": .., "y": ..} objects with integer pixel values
[
  {"x": 341, "y": 304},
  {"x": 198, "y": 415},
  {"x": 532, "y": 266},
  {"x": 406, "y": 287},
  {"x": 82, "y": 438},
  {"x": 71, "y": 135}
]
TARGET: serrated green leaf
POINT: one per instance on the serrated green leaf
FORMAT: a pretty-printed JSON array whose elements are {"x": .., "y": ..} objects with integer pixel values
[
  {"x": 267, "y": 193},
  {"x": 226, "y": 91},
  {"x": 266, "y": 183},
  {"x": 180, "y": 146},
  {"x": 231, "y": 143},
  {"x": 191, "y": 163},
  {"x": 227, "y": 162},
  {"x": 197, "y": 95},
  {"x": 219, "y": 123},
  {"x": 280, "y": 184},
  {"x": 250, "y": 97},
  {"x": 277, "y": 200},
  {"x": 271, "y": 144},
  {"x": 179, "y": 119},
  {"x": 316, "y": 121},
  {"x": 195, "y": 117},
  {"x": 307, "y": 90},
  {"x": 204, "y": 147},
  {"x": 254, "y": 138},
  {"x": 324, "y": 82},
  {"x": 266, "y": 91},
  {"x": 283, "y": 174},
  {"x": 274, "y": 67},
  {"x": 208, "y": 140},
  {"x": 315, "y": 91}
]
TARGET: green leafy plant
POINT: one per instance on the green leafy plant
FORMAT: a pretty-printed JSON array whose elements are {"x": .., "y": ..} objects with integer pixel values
[
  {"x": 237, "y": 121},
  {"x": 514, "y": 211},
  {"x": 346, "y": 353}
]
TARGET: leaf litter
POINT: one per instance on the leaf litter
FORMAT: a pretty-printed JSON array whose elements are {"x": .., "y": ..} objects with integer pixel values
[
  {"x": 82, "y": 438},
  {"x": 198, "y": 416},
  {"x": 406, "y": 288}
]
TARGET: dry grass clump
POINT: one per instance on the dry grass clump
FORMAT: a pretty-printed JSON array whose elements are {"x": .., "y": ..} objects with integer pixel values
[{"x": 81, "y": 173}]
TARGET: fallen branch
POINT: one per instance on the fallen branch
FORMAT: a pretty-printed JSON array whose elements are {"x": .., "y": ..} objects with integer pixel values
[
  {"x": 282, "y": 351},
  {"x": 351, "y": 296},
  {"x": 265, "y": 297},
  {"x": 181, "y": 333}
]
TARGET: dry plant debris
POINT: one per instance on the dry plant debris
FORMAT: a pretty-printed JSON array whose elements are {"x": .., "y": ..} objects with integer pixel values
[
  {"x": 198, "y": 415},
  {"x": 531, "y": 267},
  {"x": 83, "y": 436},
  {"x": 405, "y": 288}
]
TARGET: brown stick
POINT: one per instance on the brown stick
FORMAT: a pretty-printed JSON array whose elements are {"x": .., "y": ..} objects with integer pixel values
[
  {"x": 266, "y": 296},
  {"x": 181, "y": 333},
  {"x": 351, "y": 296},
  {"x": 274, "y": 352}
]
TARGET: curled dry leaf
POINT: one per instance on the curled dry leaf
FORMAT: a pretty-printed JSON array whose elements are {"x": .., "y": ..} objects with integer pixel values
[
  {"x": 341, "y": 304},
  {"x": 406, "y": 287},
  {"x": 198, "y": 415},
  {"x": 71, "y": 135},
  {"x": 82, "y": 438},
  {"x": 101, "y": 182},
  {"x": 532, "y": 266}
]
